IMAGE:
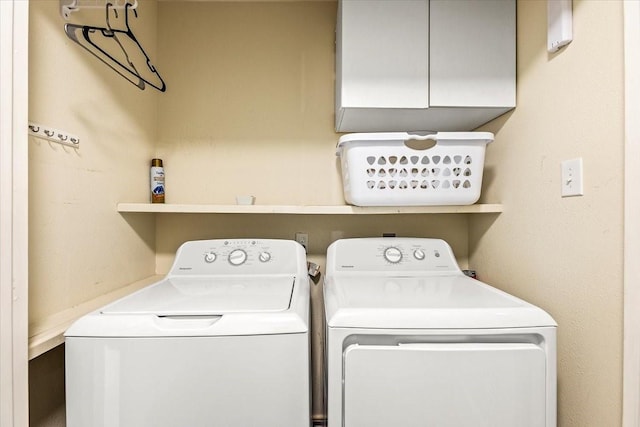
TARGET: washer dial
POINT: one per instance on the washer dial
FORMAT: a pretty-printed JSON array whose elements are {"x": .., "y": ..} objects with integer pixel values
[
  {"x": 393, "y": 255},
  {"x": 237, "y": 257},
  {"x": 419, "y": 254}
]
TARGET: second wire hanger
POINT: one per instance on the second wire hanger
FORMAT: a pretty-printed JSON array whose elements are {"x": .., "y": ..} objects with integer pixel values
[{"x": 119, "y": 49}]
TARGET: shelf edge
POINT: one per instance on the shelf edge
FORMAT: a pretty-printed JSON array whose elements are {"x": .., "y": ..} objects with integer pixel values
[{"x": 305, "y": 210}]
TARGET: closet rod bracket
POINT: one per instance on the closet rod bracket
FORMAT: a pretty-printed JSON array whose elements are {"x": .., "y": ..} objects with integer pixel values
[{"x": 69, "y": 6}]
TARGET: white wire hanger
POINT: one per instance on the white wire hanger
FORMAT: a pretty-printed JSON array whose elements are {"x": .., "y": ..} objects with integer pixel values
[{"x": 118, "y": 49}]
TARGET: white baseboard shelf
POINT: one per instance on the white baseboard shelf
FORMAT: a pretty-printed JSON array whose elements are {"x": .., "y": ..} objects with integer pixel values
[{"x": 48, "y": 333}]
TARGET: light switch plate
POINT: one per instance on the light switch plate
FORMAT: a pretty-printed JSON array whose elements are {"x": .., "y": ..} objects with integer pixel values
[{"x": 572, "y": 178}]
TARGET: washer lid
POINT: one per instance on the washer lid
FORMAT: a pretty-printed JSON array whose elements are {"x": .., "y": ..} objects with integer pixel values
[
  {"x": 201, "y": 296},
  {"x": 430, "y": 301}
]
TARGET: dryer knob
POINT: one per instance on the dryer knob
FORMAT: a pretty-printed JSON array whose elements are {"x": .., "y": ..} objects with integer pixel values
[
  {"x": 393, "y": 255},
  {"x": 209, "y": 257},
  {"x": 419, "y": 254}
]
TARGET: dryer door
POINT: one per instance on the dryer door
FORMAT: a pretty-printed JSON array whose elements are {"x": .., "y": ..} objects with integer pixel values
[{"x": 445, "y": 385}]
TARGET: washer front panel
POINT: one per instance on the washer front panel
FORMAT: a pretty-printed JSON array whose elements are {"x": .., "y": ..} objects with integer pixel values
[{"x": 247, "y": 381}]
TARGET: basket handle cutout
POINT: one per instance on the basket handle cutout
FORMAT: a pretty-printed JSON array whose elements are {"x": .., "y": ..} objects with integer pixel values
[{"x": 421, "y": 142}]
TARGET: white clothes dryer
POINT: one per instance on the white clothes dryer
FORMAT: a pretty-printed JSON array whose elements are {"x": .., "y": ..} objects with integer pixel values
[
  {"x": 413, "y": 342},
  {"x": 222, "y": 341}
]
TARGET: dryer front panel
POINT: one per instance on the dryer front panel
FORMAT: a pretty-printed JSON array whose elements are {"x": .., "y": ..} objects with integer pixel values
[{"x": 444, "y": 385}]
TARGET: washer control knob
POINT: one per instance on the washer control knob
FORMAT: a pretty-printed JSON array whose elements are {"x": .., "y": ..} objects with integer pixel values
[
  {"x": 264, "y": 256},
  {"x": 419, "y": 254},
  {"x": 237, "y": 257},
  {"x": 209, "y": 257},
  {"x": 393, "y": 255}
]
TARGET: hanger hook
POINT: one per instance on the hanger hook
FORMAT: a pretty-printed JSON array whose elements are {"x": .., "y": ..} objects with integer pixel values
[
  {"x": 109, "y": 5},
  {"x": 128, "y": 6}
]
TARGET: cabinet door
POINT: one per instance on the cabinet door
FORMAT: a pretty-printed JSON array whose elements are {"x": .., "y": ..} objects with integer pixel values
[
  {"x": 472, "y": 53},
  {"x": 383, "y": 53},
  {"x": 445, "y": 385}
]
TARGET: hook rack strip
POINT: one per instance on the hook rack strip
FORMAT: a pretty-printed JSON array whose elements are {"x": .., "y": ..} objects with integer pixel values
[
  {"x": 68, "y": 6},
  {"x": 54, "y": 135}
]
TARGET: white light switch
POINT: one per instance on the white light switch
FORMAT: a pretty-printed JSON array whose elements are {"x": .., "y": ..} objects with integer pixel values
[{"x": 572, "y": 178}]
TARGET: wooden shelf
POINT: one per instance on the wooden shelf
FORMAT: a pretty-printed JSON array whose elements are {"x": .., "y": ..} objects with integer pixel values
[
  {"x": 49, "y": 332},
  {"x": 304, "y": 210}
]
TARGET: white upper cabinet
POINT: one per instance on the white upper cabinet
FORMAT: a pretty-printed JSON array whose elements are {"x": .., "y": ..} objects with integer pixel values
[{"x": 410, "y": 65}]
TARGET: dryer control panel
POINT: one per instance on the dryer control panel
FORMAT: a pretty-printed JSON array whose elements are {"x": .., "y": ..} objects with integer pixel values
[
  {"x": 395, "y": 254},
  {"x": 238, "y": 256}
]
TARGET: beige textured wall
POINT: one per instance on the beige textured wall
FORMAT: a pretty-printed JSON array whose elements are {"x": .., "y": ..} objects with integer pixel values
[
  {"x": 250, "y": 106},
  {"x": 564, "y": 254},
  {"x": 79, "y": 246}
]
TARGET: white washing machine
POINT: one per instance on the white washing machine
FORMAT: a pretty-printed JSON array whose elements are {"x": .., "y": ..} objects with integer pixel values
[
  {"x": 412, "y": 341},
  {"x": 222, "y": 341}
]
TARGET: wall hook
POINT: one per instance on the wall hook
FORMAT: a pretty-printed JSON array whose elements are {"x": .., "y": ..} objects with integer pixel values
[{"x": 53, "y": 135}]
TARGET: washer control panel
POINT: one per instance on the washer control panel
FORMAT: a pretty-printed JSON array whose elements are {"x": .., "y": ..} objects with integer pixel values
[
  {"x": 237, "y": 256},
  {"x": 395, "y": 254}
]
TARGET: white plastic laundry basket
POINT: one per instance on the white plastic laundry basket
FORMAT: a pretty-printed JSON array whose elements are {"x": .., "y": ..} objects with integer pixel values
[{"x": 388, "y": 169}]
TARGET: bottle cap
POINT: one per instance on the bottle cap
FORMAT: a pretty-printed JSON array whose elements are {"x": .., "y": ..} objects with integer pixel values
[{"x": 156, "y": 162}]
